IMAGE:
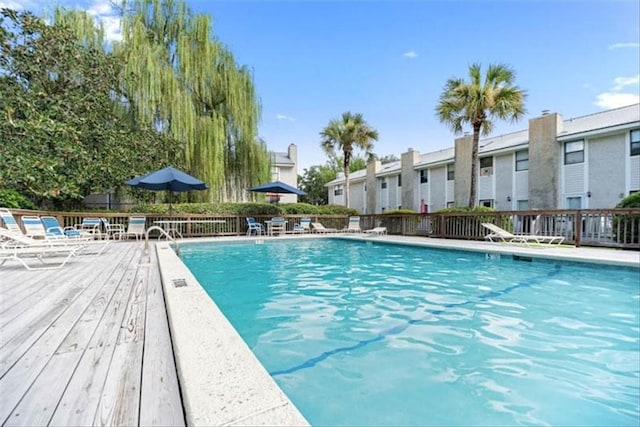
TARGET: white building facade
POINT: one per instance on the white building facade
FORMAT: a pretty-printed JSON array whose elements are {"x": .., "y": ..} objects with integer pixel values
[{"x": 588, "y": 162}]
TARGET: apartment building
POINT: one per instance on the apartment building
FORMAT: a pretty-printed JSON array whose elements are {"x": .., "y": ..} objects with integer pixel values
[
  {"x": 284, "y": 167},
  {"x": 586, "y": 162}
]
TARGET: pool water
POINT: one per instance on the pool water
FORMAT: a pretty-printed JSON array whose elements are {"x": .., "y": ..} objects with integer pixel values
[{"x": 369, "y": 333}]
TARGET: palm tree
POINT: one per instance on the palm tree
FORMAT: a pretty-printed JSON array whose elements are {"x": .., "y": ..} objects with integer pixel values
[
  {"x": 346, "y": 134},
  {"x": 478, "y": 102}
]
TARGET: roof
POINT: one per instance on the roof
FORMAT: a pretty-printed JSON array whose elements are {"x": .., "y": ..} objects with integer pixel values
[
  {"x": 282, "y": 159},
  {"x": 593, "y": 122}
]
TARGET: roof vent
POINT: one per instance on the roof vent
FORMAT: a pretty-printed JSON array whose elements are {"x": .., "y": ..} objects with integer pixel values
[{"x": 545, "y": 112}]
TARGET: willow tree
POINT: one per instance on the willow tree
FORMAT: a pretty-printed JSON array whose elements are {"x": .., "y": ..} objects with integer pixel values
[
  {"x": 346, "y": 134},
  {"x": 477, "y": 102},
  {"x": 179, "y": 78}
]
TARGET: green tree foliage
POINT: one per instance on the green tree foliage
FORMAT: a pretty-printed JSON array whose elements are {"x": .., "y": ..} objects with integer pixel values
[
  {"x": 390, "y": 158},
  {"x": 63, "y": 133},
  {"x": 477, "y": 102},
  {"x": 313, "y": 182},
  {"x": 344, "y": 135},
  {"x": 179, "y": 78}
]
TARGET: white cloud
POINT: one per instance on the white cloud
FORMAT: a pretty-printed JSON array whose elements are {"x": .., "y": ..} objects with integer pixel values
[
  {"x": 620, "y": 83},
  {"x": 411, "y": 54},
  {"x": 614, "y": 98},
  {"x": 609, "y": 100},
  {"x": 15, "y": 5},
  {"x": 103, "y": 12},
  {"x": 624, "y": 45},
  {"x": 284, "y": 117}
]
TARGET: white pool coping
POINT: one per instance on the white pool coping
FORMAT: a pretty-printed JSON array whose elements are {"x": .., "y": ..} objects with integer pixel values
[{"x": 223, "y": 383}]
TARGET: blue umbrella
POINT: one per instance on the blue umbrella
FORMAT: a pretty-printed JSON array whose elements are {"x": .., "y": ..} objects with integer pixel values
[
  {"x": 277, "y": 187},
  {"x": 170, "y": 179}
]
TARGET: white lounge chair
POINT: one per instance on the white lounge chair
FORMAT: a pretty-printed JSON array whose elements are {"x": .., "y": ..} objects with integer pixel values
[
  {"x": 16, "y": 246},
  {"x": 501, "y": 235},
  {"x": 354, "y": 225},
  {"x": 377, "y": 231},
  {"x": 9, "y": 221},
  {"x": 317, "y": 227}
]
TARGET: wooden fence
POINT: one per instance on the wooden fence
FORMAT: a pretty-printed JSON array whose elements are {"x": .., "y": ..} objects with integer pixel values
[{"x": 618, "y": 228}]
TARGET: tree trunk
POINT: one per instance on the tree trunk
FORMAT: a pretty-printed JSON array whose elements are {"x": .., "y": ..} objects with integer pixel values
[
  {"x": 346, "y": 186},
  {"x": 473, "y": 191}
]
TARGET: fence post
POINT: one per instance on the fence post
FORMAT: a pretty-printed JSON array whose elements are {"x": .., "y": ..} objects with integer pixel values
[{"x": 578, "y": 227}]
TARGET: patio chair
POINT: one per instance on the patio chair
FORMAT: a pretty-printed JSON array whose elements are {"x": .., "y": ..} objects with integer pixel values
[
  {"x": 252, "y": 226},
  {"x": 90, "y": 227},
  {"x": 277, "y": 225},
  {"x": 377, "y": 231},
  {"x": 303, "y": 226},
  {"x": 354, "y": 225},
  {"x": 136, "y": 227},
  {"x": 34, "y": 228},
  {"x": 501, "y": 235},
  {"x": 317, "y": 227},
  {"x": 113, "y": 230}
]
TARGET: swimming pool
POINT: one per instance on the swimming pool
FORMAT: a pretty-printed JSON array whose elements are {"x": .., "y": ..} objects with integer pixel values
[{"x": 376, "y": 334}]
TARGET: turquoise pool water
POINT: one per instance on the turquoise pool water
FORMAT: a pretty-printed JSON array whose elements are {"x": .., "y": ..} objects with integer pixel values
[{"x": 377, "y": 334}]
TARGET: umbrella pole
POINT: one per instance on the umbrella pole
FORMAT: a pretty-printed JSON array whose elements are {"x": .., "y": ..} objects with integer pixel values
[{"x": 170, "y": 197}]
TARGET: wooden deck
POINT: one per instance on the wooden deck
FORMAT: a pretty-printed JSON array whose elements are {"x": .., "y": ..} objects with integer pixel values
[{"x": 87, "y": 344}]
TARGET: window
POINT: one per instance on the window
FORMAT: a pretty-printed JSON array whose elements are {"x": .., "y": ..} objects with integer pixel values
[
  {"x": 424, "y": 176},
  {"x": 522, "y": 205},
  {"x": 574, "y": 203},
  {"x": 574, "y": 152},
  {"x": 635, "y": 142},
  {"x": 451, "y": 168},
  {"x": 486, "y": 166},
  {"x": 399, "y": 180},
  {"x": 522, "y": 160},
  {"x": 383, "y": 184},
  {"x": 486, "y": 203},
  {"x": 450, "y": 204},
  {"x": 337, "y": 191}
]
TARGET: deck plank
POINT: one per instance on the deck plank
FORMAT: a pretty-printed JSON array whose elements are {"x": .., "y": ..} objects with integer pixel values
[
  {"x": 88, "y": 343},
  {"x": 159, "y": 376},
  {"x": 79, "y": 403},
  {"x": 39, "y": 402},
  {"x": 119, "y": 403}
]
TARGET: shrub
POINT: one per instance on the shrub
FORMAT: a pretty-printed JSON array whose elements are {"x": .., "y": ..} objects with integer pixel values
[
  {"x": 13, "y": 200},
  {"x": 626, "y": 228}
]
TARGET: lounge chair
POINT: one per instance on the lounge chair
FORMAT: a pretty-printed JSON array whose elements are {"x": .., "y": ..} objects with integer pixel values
[
  {"x": 377, "y": 231},
  {"x": 55, "y": 233},
  {"x": 16, "y": 246},
  {"x": 34, "y": 228},
  {"x": 9, "y": 221},
  {"x": 501, "y": 235},
  {"x": 303, "y": 227},
  {"x": 252, "y": 226},
  {"x": 354, "y": 225},
  {"x": 317, "y": 227},
  {"x": 53, "y": 229},
  {"x": 136, "y": 227}
]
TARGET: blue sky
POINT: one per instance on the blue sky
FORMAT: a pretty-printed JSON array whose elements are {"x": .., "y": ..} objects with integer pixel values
[{"x": 389, "y": 60}]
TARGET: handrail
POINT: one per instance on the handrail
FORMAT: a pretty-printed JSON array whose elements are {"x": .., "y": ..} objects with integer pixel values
[{"x": 162, "y": 232}]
